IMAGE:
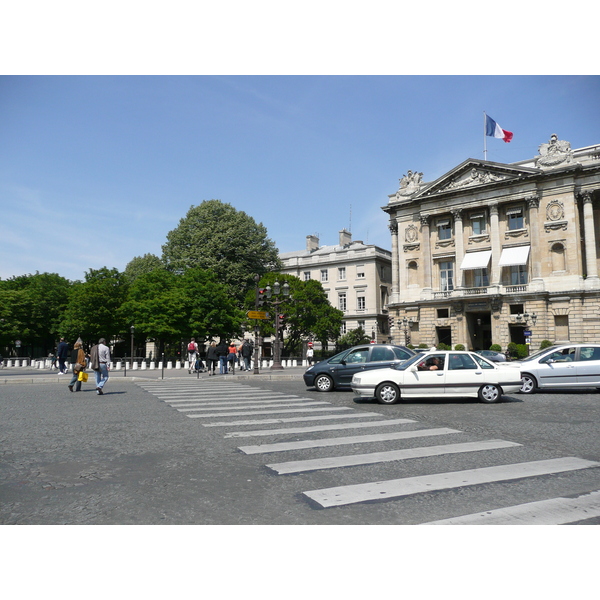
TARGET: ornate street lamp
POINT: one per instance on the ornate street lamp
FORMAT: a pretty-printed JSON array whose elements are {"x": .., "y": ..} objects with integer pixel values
[{"x": 406, "y": 323}]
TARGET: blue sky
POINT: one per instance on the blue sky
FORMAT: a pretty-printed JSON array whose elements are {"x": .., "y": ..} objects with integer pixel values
[{"x": 95, "y": 170}]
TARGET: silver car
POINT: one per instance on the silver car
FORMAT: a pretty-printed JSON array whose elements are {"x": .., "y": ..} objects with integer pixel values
[{"x": 564, "y": 366}]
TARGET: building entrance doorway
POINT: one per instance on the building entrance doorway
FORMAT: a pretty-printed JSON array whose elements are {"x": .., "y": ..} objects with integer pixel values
[
  {"x": 444, "y": 335},
  {"x": 479, "y": 327}
]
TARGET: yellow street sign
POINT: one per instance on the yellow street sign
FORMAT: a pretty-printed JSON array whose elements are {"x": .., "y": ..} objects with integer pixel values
[{"x": 257, "y": 314}]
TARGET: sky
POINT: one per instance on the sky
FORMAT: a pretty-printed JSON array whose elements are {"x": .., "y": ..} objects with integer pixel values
[{"x": 97, "y": 169}]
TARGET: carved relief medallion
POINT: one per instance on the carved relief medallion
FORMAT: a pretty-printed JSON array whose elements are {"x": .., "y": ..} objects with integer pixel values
[
  {"x": 555, "y": 210},
  {"x": 411, "y": 234}
]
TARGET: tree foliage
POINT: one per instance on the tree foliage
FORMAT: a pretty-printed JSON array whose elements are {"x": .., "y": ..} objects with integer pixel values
[
  {"x": 216, "y": 237},
  {"x": 139, "y": 265},
  {"x": 307, "y": 312},
  {"x": 354, "y": 337},
  {"x": 31, "y": 307},
  {"x": 93, "y": 309}
]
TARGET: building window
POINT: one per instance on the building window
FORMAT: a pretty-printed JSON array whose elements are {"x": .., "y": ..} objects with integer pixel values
[
  {"x": 561, "y": 327},
  {"x": 361, "y": 303},
  {"x": 360, "y": 272},
  {"x": 516, "y": 309},
  {"x": 444, "y": 230},
  {"x": 306, "y": 275},
  {"x": 518, "y": 275},
  {"x": 343, "y": 328},
  {"x": 342, "y": 274},
  {"x": 478, "y": 224},
  {"x": 447, "y": 276},
  {"x": 514, "y": 218},
  {"x": 361, "y": 325},
  {"x": 480, "y": 278},
  {"x": 324, "y": 275},
  {"x": 443, "y": 313},
  {"x": 342, "y": 301}
]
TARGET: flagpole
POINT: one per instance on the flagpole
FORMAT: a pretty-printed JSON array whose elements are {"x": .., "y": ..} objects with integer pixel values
[{"x": 484, "y": 140}]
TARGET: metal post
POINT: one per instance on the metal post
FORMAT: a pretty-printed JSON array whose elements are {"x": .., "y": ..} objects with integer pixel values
[{"x": 162, "y": 376}]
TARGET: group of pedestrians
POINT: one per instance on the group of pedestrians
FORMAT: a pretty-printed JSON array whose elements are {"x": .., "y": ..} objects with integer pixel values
[
  {"x": 98, "y": 360},
  {"x": 226, "y": 355}
]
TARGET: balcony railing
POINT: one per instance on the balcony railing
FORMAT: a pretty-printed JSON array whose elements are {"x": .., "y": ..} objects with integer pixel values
[
  {"x": 475, "y": 291},
  {"x": 515, "y": 289}
]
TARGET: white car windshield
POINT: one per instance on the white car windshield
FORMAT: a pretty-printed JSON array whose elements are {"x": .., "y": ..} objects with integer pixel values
[
  {"x": 539, "y": 353},
  {"x": 411, "y": 361}
]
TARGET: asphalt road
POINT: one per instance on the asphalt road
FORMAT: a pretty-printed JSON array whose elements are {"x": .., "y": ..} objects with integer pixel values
[{"x": 137, "y": 455}]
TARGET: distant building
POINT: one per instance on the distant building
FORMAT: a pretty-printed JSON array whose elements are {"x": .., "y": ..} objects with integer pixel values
[
  {"x": 498, "y": 253},
  {"x": 357, "y": 278}
]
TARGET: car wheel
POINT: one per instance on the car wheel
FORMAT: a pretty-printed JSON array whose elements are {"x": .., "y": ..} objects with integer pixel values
[
  {"x": 323, "y": 383},
  {"x": 528, "y": 384},
  {"x": 489, "y": 393},
  {"x": 387, "y": 393}
]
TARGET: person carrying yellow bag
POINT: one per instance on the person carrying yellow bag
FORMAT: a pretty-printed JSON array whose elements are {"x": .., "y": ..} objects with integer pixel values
[{"x": 78, "y": 362}]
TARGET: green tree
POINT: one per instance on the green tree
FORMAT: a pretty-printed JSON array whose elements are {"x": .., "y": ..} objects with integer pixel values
[
  {"x": 139, "y": 265},
  {"x": 155, "y": 305},
  {"x": 354, "y": 337},
  {"x": 210, "y": 311},
  {"x": 218, "y": 238},
  {"x": 94, "y": 307},
  {"x": 36, "y": 314},
  {"x": 307, "y": 312}
]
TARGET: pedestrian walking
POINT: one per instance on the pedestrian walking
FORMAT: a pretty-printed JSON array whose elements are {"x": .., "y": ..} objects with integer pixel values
[
  {"x": 78, "y": 363},
  {"x": 310, "y": 354},
  {"x": 222, "y": 352},
  {"x": 100, "y": 363},
  {"x": 192, "y": 352},
  {"x": 62, "y": 353},
  {"x": 231, "y": 356},
  {"x": 246, "y": 352},
  {"x": 212, "y": 358}
]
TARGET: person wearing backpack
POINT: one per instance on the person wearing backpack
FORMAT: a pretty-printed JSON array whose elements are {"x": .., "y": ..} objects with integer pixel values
[
  {"x": 246, "y": 351},
  {"x": 192, "y": 351}
]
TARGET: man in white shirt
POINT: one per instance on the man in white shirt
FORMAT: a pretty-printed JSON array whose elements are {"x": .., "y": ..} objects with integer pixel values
[{"x": 103, "y": 365}]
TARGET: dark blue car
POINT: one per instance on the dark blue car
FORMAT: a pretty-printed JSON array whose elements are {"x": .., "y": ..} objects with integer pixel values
[{"x": 337, "y": 371}]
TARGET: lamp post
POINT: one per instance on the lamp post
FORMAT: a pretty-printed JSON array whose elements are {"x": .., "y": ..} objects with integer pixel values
[
  {"x": 406, "y": 326},
  {"x": 276, "y": 292},
  {"x": 132, "y": 330}
]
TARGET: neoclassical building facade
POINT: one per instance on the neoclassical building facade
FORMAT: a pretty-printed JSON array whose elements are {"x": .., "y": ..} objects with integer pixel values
[
  {"x": 498, "y": 253},
  {"x": 356, "y": 277}
]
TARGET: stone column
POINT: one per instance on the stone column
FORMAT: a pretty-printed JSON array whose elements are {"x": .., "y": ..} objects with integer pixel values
[
  {"x": 426, "y": 254},
  {"x": 591, "y": 264},
  {"x": 459, "y": 241},
  {"x": 535, "y": 251},
  {"x": 395, "y": 262},
  {"x": 496, "y": 246}
]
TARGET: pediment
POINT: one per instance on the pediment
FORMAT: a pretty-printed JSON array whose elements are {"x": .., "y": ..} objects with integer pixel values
[{"x": 474, "y": 173}]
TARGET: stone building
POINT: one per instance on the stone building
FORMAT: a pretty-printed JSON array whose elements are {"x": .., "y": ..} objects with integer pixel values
[
  {"x": 498, "y": 253},
  {"x": 356, "y": 277}
]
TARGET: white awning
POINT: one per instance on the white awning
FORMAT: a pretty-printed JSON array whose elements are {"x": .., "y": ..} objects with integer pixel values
[
  {"x": 514, "y": 256},
  {"x": 476, "y": 260}
]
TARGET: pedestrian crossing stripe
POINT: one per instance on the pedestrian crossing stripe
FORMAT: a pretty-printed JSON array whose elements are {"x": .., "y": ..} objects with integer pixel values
[
  {"x": 341, "y": 441},
  {"x": 250, "y": 406},
  {"x": 316, "y": 464},
  {"x": 269, "y": 412},
  {"x": 556, "y": 511},
  {"x": 396, "y": 488},
  {"x": 245, "y": 403},
  {"x": 353, "y": 415}
]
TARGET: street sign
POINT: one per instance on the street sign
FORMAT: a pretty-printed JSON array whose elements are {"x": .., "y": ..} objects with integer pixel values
[
  {"x": 257, "y": 314},
  {"x": 526, "y": 332}
]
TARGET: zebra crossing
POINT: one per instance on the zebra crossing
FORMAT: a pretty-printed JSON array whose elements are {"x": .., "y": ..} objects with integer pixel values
[{"x": 244, "y": 411}]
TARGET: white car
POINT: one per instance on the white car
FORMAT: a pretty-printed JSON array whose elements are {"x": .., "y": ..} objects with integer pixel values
[
  {"x": 439, "y": 373},
  {"x": 564, "y": 366}
]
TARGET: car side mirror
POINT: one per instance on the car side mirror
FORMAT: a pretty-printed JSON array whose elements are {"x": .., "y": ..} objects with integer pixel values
[
  {"x": 549, "y": 361},
  {"x": 413, "y": 368},
  {"x": 342, "y": 362}
]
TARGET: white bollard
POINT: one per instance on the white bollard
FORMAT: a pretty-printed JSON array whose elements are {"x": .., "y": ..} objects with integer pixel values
[
  {"x": 152, "y": 364},
  {"x": 160, "y": 364},
  {"x": 177, "y": 364},
  {"x": 295, "y": 363},
  {"x": 134, "y": 365},
  {"x": 143, "y": 365},
  {"x": 119, "y": 365},
  {"x": 169, "y": 364}
]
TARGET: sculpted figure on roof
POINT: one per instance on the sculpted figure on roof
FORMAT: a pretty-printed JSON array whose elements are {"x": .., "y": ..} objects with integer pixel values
[{"x": 554, "y": 152}]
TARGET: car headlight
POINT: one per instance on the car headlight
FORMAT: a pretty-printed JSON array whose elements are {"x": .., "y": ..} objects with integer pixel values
[
  {"x": 309, "y": 369},
  {"x": 356, "y": 379}
]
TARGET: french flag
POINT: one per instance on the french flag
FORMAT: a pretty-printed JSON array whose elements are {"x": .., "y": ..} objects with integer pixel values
[{"x": 494, "y": 130}]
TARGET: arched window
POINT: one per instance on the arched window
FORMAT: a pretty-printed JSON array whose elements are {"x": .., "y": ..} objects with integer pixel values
[{"x": 558, "y": 257}]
